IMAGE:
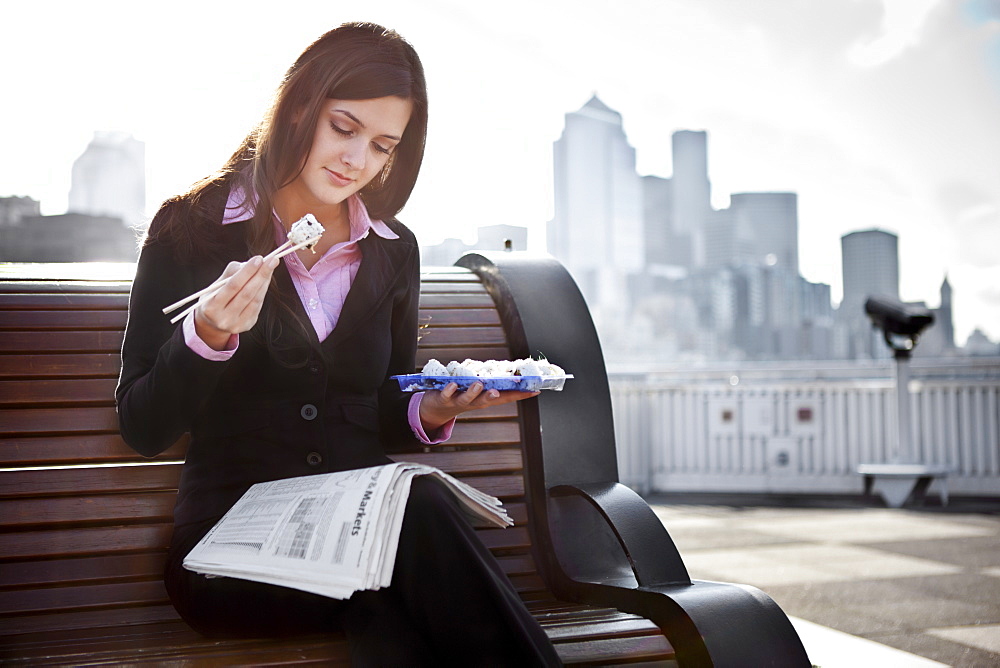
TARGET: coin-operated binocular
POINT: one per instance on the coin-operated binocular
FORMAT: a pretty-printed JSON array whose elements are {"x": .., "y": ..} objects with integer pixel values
[{"x": 901, "y": 324}]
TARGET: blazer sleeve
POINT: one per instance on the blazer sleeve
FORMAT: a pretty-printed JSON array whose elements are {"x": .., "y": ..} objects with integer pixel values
[
  {"x": 163, "y": 382},
  {"x": 393, "y": 402}
]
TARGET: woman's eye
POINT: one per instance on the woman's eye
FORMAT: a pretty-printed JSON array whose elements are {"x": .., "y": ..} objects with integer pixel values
[
  {"x": 382, "y": 149},
  {"x": 339, "y": 130}
]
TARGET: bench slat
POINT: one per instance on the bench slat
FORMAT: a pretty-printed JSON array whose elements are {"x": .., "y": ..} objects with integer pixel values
[
  {"x": 87, "y": 480},
  {"x": 32, "y": 512},
  {"x": 447, "y": 317},
  {"x": 35, "y": 392},
  {"x": 116, "y": 620},
  {"x": 617, "y": 650},
  {"x": 79, "y": 420},
  {"x": 467, "y": 432},
  {"x": 46, "y": 299},
  {"x": 101, "y": 341},
  {"x": 81, "y": 365},
  {"x": 26, "y": 574},
  {"x": 192, "y": 651},
  {"x": 629, "y": 625},
  {"x": 477, "y": 461},
  {"x": 512, "y": 538},
  {"x": 185, "y": 648},
  {"x": 82, "y": 597},
  {"x": 501, "y": 486},
  {"x": 62, "y": 320},
  {"x": 83, "y": 542},
  {"x": 77, "y": 449},
  {"x": 461, "y": 300},
  {"x": 459, "y": 336},
  {"x": 431, "y": 286}
]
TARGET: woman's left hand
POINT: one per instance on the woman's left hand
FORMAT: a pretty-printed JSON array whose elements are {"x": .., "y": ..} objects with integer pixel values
[{"x": 437, "y": 407}]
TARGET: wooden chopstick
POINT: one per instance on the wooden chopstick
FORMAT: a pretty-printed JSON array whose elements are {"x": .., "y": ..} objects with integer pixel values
[{"x": 279, "y": 252}]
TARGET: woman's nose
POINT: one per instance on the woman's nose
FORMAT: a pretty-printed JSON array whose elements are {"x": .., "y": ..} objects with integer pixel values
[{"x": 354, "y": 155}]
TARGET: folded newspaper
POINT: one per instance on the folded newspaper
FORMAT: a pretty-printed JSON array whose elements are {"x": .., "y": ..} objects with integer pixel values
[{"x": 331, "y": 534}]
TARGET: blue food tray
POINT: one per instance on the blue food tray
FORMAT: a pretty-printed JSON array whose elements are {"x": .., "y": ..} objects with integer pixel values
[{"x": 416, "y": 382}]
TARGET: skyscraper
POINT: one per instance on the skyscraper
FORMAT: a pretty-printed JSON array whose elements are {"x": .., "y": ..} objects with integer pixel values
[
  {"x": 109, "y": 178},
  {"x": 692, "y": 190},
  {"x": 870, "y": 264},
  {"x": 597, "y": 229}
]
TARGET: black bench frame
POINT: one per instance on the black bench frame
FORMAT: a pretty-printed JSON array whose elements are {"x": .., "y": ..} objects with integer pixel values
[{"x": 602, "y": 544}]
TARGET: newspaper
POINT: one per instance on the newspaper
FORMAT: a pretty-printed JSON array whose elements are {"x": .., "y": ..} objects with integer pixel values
[{"x": 330, "y": 534}]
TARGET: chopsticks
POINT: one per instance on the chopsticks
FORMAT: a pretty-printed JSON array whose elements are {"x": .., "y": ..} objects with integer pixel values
[{"x": 279, "y": 252}]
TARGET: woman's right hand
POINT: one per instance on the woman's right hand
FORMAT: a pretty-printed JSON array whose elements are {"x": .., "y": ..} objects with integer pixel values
[{"x": 234, "y": 308}]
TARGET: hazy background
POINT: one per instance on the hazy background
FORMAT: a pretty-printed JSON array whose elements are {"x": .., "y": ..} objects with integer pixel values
[{"x": 878, "y": 113}]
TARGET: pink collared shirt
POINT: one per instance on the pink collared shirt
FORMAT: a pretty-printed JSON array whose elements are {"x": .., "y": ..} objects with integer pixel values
[{"x": 322, "y": 289}]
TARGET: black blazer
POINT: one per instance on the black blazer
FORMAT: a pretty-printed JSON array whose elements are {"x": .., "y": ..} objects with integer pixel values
[{"x": 270, "y": 412}]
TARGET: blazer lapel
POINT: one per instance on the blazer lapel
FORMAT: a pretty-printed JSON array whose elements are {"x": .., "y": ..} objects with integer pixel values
[{"x": 381, "y": 262}]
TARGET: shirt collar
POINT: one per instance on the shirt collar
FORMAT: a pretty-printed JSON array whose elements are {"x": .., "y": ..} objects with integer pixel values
[{"x": 240, "y": 207}]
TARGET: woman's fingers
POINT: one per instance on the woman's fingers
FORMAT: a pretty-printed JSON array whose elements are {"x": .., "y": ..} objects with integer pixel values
[
  {"x": 234, "y": 307},
  {"x": 256, "y": 290},
  {"x": 439, "y": 406},
  {"x": 455, "y": 401}
]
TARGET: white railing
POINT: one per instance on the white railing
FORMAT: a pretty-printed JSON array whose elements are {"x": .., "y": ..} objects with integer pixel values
[{"x": 799, "y": 436}]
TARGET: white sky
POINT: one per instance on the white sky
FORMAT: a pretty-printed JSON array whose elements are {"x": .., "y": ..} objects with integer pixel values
[{"x": 878, "y": 113}]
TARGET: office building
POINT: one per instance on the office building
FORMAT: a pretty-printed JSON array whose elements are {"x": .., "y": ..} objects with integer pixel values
[
  {"x": 109, "y": 179},
  {"x": 597, "y": 228}
]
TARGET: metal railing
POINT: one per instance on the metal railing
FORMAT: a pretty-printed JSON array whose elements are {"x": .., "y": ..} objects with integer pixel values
[{"x": 781, "y": 434}]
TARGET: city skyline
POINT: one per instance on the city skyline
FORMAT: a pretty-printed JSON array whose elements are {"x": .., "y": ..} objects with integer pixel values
[{"x": 894, "y": 101}]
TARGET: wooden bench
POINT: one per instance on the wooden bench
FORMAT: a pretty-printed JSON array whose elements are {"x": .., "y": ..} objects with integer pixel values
[{"x": 84, "y": 522}]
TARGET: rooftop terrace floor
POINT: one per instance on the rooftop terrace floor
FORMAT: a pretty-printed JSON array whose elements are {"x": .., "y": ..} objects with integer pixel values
[{"x": 922, "y": 579}]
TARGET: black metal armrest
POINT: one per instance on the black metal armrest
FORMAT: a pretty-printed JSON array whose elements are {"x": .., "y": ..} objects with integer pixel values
[
  {"x": 708, "y": 623},
  {"x": 650, "y": 551}
]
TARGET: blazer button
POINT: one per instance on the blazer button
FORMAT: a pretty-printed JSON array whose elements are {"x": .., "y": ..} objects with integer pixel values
[
  {"x": 309, "y": 412},
  {"x": 314, "y": 367},
  {"x": 314, "y": 459}
]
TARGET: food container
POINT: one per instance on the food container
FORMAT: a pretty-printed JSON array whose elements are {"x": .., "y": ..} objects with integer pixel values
[{"x": 415, "y": 382}]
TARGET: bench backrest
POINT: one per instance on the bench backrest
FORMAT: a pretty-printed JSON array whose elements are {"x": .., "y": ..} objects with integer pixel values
[{"x": 85, "y": 522}]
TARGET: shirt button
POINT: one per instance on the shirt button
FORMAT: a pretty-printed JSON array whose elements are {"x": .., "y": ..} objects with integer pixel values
[
  {"x": 309, "y": 412},
  {"x": 314, "y": 459},
  {"x": 313, "y": 303}
]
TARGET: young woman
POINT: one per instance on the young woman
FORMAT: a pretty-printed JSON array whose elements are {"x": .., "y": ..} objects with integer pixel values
[{"x": 285, "y": 370}]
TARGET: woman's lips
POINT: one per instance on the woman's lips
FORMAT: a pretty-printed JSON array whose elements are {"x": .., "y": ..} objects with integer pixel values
[{"x": 338, "y": 178}]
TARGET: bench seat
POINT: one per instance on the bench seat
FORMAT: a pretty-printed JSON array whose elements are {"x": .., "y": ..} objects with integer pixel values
[{"x": 85, "y": 521}]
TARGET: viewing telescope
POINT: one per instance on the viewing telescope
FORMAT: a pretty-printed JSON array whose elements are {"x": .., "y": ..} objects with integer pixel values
[{"x": 900, "y": 323}]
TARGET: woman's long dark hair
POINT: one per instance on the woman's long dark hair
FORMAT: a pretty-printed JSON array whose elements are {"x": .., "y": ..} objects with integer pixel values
[{"x": 356, "y": 61}]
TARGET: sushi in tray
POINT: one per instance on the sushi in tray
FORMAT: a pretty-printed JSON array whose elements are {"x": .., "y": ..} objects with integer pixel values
[{"x": 527, "y": 375}]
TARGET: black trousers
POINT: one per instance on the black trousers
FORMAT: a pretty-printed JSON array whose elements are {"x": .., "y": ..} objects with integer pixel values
[{"x": 449, "y": 603}]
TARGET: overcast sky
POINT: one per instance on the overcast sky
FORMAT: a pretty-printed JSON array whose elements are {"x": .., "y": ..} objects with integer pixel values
[{"x": 878, "y": 113}]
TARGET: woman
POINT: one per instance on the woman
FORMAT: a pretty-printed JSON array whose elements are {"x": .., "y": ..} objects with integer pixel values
[{"x": 285, "y": 370}]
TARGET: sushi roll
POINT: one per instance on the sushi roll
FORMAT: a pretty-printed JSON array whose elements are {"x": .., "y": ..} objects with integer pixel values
[{"x": 307, "y": 229}]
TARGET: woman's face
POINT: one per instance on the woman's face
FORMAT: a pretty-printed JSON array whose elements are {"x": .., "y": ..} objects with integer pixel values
[{"x": 352, "y": 141}]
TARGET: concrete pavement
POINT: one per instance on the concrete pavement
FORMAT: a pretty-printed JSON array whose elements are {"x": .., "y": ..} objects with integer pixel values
[{"x": 865, "y": 585}]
